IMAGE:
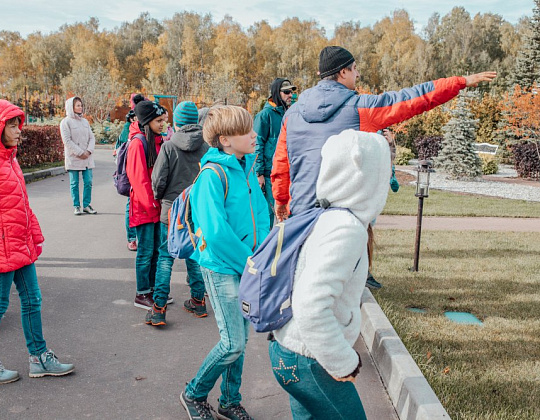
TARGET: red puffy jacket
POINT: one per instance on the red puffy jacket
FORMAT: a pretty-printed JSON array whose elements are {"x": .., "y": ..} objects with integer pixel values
[
  {"x": 19, "y": 228},
  {"x": 143, "y": 207}
]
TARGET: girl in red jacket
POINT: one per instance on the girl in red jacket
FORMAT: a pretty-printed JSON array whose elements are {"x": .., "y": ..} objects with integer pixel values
[
  {"x": 144, "y": 209},
  {"x": 20, "y": 246}
]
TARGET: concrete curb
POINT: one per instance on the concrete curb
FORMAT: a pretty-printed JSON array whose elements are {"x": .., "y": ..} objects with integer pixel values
[
  {"x": 407, "y": 387},
  {"x": 45, "y": 173}
]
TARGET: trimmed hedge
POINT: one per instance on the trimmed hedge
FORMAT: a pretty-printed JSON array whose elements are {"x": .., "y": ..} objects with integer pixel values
[
  {"x": 527, "y": 159},
  {"x": 428, "y": 146},
  {"x": 403, "y": 156},
  {"x": 490, "y": 164},
  {"x": 40, "y": 144}
]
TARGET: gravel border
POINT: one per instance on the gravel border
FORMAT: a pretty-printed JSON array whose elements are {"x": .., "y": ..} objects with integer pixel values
[{"x": 440, "y": 181}]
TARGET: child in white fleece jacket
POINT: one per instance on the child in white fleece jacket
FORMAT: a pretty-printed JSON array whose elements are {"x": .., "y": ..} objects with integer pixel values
[{"x": 312, "y": 356}]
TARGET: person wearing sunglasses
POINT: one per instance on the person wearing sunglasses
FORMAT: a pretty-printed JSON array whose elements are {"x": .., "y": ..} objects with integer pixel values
[{"x": 267, "y": 125}]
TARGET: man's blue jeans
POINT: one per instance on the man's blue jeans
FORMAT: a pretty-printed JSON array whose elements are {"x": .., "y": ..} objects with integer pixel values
[
  {"x": 148, "y": 235},
  {"x": 226, "y": 359},
  {"x": 313, "y": 393},
  {"x": 269, "y": 199},
  {"x": 131, "y": 232},
  {"x": 87, "y": 187},
  {"x": 26, "y": 282}
]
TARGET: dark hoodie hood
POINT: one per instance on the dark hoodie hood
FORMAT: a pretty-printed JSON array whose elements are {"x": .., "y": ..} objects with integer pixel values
[
  {"x": 189, "y": 138},
  {"x": 323, "y": 100},
  {"x": 274, "y": 92}
]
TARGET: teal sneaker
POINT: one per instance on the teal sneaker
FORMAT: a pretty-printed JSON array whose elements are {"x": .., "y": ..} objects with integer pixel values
[
  {"x": 7, "y": 376},
  {"x": 197, "y": 410},
  {"x": 47, "y": 364},
  {"x": 156, "y": 316},
  {"x": 234, "y": 412},
  {"x": 371, "y": 283}
]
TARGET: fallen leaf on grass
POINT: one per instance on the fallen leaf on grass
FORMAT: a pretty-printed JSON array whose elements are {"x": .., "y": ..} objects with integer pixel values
[
  {"x": 446, "y": 370},
  {"x": 429, "y": 355},
  {"x": 451, "y": 299}
]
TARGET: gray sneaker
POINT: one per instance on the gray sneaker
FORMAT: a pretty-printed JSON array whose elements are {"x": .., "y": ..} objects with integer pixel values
[
  {"x": 89, "y": 210},
  {"x": 7, "y": 376},
  {"x": 47, "y": 364},
  {"x": 77, "y": 211}
]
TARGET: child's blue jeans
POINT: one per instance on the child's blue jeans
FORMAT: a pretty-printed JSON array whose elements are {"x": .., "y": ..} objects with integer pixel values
[
  {"x": 26, "y": 282},
  {"x": 148, "y": 235},
  {"x": 226, "y": 359},
  {"x": 313, "y": 393}
]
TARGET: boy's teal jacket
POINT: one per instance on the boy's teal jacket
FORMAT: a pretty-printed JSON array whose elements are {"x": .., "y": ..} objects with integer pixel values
[
  {"x": 267, "y": 125},
  {"x": 234, "y": 227}
]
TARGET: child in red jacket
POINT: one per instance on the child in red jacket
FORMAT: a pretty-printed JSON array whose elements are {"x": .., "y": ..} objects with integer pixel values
[
  {"x": 144, "y": 210},
  {"x": 19, "y": 249}
]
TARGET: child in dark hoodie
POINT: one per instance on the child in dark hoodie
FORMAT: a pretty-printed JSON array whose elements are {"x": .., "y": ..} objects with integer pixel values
[{"x": 176, "y": 168}]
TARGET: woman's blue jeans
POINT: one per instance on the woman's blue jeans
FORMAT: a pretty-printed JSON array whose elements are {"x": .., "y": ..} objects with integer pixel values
[
  {"x": 148, "y": 235},
  {"x": 87, "y": 187},
  {"x": 26, "y": 282},
  {"x": 131, "y": 232},
  {"x": 226, "y": 359},
  {"x": 313, "y": 393}
]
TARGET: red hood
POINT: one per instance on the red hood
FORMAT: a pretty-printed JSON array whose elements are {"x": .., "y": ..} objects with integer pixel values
[
  {"x": 134, "y": 129},
  {"x": 7, "y": 112}
]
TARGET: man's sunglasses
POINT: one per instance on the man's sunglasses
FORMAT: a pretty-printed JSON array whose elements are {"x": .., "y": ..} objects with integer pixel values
[{"x": 287, "y": 92}]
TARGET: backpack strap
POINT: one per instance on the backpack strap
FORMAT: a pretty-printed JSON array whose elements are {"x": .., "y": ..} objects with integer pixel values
[
  {"x": 220, "y": 173},
  {"x": 144, "y": 142}
]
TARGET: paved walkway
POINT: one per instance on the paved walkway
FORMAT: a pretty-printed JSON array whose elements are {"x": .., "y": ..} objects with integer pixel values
[
  {"x": 499, "y": 224},
  {"x": 124, "y": 368}
]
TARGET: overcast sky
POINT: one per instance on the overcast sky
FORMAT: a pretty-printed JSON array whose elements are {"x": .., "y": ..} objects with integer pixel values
[{"x": 48, "y": 15}]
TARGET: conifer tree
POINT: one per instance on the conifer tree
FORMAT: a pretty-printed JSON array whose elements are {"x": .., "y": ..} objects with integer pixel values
[
  {"x": 457, "y": 156},
  {"x": 527, "y": 68}
]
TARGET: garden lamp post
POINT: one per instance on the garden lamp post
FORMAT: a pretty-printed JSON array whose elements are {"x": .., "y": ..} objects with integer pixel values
[{"x": 423, "y": 170}]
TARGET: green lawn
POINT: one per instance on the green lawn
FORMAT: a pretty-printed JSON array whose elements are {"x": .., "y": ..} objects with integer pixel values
[
  {"x": 478, "y": 372},
  {"x": 446, "y": 203}
]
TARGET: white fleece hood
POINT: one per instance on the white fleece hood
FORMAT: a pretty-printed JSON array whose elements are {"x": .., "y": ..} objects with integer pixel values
[
  {"x": 355, "y": 173},
  {"x": 69, "y": 108}
]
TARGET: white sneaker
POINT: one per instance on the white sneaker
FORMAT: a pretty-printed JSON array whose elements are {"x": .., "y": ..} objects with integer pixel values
[
  {"x": 77, "y": 211},
  {"x": 89, "y": 210}
]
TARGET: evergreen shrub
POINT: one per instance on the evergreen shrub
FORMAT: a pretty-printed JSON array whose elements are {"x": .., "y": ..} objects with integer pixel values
[{"x": 40, "y": 144}]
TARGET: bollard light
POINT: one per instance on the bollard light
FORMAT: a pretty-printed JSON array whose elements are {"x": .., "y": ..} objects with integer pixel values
[{"x": 423, "y": 170}]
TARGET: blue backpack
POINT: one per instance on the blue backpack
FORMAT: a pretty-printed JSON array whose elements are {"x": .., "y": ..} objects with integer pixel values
[
  {"x": 181, "y": 240},
  {"x": 266, "y": 286},
  {"x": 121, "y": 180}
]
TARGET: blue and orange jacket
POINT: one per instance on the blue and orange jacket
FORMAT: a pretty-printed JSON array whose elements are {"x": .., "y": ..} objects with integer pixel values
[
  {"x": 329, "y": 108},
  {"x": 233, "y": 227}
]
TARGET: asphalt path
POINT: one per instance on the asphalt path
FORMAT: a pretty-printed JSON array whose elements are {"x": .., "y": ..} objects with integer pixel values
[{"x": 124, "y": 368}]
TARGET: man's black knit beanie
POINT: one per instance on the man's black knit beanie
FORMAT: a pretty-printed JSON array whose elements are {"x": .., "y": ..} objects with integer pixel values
[
  {"x": 146, "y": 111},
  {"x": 333, "y": 59}
]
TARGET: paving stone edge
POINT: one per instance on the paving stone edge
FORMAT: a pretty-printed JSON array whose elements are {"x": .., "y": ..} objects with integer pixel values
[
  {"x": 412, "y": 396},
  {"x": 44, "y": 173}
]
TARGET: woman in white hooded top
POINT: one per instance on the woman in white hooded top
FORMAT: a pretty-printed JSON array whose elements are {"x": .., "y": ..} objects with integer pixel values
[
  {"x": 312, "y": 355},
  {"x": 79, "y": 143}
]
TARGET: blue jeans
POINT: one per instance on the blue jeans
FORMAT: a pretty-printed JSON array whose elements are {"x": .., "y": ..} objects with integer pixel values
[
  {"x": 313, "y": 393},
  {"x": 148, "y": 235},
  {"x": 131, "y": 232},
  {"x": 87, "y": 187},
  {"x": 226, "y": 359},
  {"x": 195, "y": 279},
  {"x": 163, "y": 269},
  {"x": 26, "y": 282}
]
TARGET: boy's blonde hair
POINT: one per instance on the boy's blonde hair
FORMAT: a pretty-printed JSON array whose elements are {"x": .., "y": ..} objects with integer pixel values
[{"x": 226, "y": 120}]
